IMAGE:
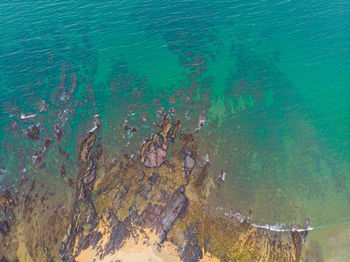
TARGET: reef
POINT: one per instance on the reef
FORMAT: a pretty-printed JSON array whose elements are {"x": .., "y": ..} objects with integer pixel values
[{"x": 161, "y": 194}]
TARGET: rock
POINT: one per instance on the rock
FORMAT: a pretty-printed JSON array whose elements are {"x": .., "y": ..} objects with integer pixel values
[
  {"x": 58, "y": 131},
  {"x": 4, "y": 228},
  {"x": 91, "y": 214},
  {"x": 30, "y": 135},
  {"x": 176, "y": 129},
  {"x": 34, "y": 129},
  {"x": 6, "y": 200},
  {"x": 189, "y": 162},
  {"x": 189, "y": 152},
  {"x": 83, "y": 211},
  {"x": 298, "y": 240},
  {"x": 3, "y": 259},
  {"x": 153, "y": 152},
  {"x": 173, "y": 209},
  {"x": 150, "y": 217},
  {"x": 119, "y": 233},
  {"x": 90, "y": 240},
  {"x": 165, "y": 126},
  {"x": 191, "y": 253},
  {"x": 63, "y": 170},
  {"x": 36, "y": 158},
  {"x": 140, "y": 178},
  {"x": 83, "y": 243},
  {"x": 88, "y": 173},
  {"x": 68, "y": 242},
  {"x": 95, "y": 237},
  {"x": 153, "y": 178},
  {"x": 48, "y": 142},
  {"x": 62, "y": 153},
  {"x": 86, "y": 146},
  {"x": 222, "y": 175}
]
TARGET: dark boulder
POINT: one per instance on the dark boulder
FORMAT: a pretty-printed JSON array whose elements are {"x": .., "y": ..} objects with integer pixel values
[
  {"x": 191, "y": 253},
  {"x": 4, "y": 228},
  {"x": 153, "y": 178},
  {"x": 120, "y": 233},
  {"x": 175, "y": 208}
]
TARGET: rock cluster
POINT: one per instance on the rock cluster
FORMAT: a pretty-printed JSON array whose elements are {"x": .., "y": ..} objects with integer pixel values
[
  {"x": 83, "y": 211},
  {"x": 154, "y": 151},
  {"x": 161, "y": 218},
  {"x": 7, "y": 204},
  {"x": 191, "y": 251},
  {"x": 166, "y": 197}
]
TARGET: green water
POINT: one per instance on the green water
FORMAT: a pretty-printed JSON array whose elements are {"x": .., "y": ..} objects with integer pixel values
[{"x": 272, "y": 76}]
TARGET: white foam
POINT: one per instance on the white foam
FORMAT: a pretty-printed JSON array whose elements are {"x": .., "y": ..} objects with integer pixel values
[
  {"x": 206, "y": 158},
  {"x": 23, "y": 116},
  {"x": 96, "y": 123},
  {"x": 281, "y": 227}
]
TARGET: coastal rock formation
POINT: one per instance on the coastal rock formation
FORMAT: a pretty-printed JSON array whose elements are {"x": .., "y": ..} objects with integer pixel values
[
  {"x": 298, "y": 240},
  {"x": 160, "y": 198},
  {"x": 7, "y": 204},
  {"x": 154, "y": 151},
  {"x": 83, "y": 211}
]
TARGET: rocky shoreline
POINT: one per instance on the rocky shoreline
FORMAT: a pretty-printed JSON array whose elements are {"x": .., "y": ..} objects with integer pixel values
[{"x": 163, "y": 192}]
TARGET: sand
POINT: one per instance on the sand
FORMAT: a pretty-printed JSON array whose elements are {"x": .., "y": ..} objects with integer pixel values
[{"x": 142, "y": 249}]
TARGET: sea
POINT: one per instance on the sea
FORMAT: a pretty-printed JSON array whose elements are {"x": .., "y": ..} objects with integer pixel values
[{"x": 264, "y": 85}]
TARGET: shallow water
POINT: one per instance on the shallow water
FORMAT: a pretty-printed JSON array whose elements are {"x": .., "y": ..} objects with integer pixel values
[{"x": 272, "y": 77}]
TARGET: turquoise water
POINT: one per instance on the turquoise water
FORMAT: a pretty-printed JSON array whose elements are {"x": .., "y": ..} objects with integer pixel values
[{"x": 272, "y": 76}]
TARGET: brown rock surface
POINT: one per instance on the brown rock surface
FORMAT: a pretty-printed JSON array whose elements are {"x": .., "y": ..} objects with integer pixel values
[{"x": 112, "y": 206}]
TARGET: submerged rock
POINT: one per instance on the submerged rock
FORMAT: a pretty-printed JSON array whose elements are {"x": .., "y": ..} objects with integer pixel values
[
  {"x": 63, "y": 170},
  {"x": 34, "y": 129},
  {"x": 48, "y": 143},
  {"x": 31, "y": 135},
  {"x": 58, "y": 132}
]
